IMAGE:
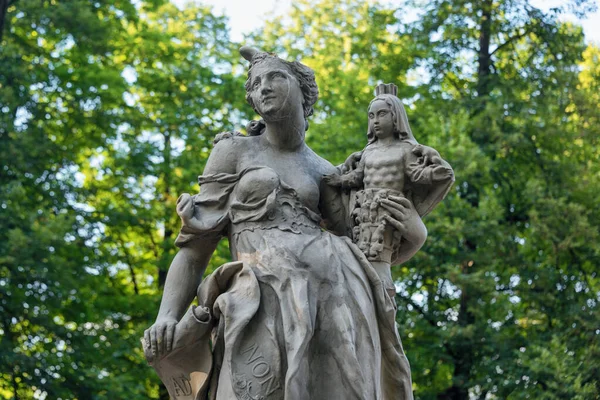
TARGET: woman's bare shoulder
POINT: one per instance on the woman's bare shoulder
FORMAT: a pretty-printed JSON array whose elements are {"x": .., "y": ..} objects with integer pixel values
[
  {"x": 318, "y": 164},
  {"x": 228, "y": 149}
]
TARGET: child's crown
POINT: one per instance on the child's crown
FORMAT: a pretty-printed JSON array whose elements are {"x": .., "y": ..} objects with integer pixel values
[{"x": 386, "y": 88}]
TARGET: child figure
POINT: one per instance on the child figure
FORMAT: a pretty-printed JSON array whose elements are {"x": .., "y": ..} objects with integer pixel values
[{"x": 393, "y": 165}]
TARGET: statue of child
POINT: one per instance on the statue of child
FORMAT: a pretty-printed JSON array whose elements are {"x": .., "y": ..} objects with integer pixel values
[{"x": 393, "y": 166}]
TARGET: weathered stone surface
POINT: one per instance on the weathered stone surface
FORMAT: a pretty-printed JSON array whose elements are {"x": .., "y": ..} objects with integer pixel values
[{"x": 301, "y": 313}]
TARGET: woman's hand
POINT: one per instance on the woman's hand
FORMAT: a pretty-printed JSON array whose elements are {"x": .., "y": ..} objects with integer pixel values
[
  {"x": 405, "y": 219},
  {"x": 159, "y": 337}
]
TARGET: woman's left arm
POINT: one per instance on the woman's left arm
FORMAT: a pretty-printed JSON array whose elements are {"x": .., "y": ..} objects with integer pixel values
[
  {"x": 333, "y": 205},
  {"x": 406, "y": 220}
]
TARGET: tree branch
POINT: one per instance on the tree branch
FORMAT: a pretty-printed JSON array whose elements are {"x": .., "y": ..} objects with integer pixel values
[
  {"x": 511, "y": 40},
  {"x": 154, "y": 244},
  {"x": 130, "y": 265},
  {"x": 456, "y": 86}
]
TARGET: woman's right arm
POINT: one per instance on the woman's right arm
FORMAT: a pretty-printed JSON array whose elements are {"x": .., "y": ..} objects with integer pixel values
[
  {"x": 183, "y": 278},
  {"x": 188, "y": 266}
]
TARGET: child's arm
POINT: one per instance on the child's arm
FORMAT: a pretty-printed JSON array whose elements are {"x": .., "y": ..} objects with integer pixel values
[
  {"x": 354, "y": 179},
  {"x": 349, "y": 180}
]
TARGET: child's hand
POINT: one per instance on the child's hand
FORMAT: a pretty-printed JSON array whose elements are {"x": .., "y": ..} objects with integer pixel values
[
  {"x": 351, "y": 162},
  {"x": 334, "y": 180}
]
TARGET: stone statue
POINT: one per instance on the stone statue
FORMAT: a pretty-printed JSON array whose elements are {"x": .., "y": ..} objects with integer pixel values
[
  {"x": 393, "y": 168},
  {"x": 300, "y": 313}
]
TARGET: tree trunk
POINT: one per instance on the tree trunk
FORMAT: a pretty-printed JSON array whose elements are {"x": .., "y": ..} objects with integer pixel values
[
  {"x": 484, "y": 57},
  {"x": 463, "y": 362},
  {"x": 164, "y": 259},
  {"x": 3, "y": 12}
]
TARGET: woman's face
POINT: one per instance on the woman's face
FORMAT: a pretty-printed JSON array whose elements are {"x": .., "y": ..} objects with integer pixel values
[
  {"x": 274, "y": 91},
  {"x": 381, "y": 119}
]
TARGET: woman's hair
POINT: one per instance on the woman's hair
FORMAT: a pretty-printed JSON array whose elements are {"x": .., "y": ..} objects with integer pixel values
[
  {"x": 306, "y": 80},
  {"x": 401, "y": 128}
]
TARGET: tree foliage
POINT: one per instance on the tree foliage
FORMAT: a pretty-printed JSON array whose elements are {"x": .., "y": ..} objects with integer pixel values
[
  {"x": 518, "y": 278},
  {"x": 107, "y": 113}
]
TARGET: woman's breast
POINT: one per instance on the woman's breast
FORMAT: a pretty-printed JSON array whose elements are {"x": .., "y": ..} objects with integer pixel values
[{"x": 256, "y": 185}]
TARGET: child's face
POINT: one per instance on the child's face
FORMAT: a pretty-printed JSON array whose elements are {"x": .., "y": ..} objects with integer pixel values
[{"x": 381, "y": 121}]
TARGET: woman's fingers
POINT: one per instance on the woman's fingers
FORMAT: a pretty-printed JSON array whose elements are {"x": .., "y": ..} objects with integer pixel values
[
  {"x": 392, "y": 204},
  {"x": 403, "y": 201},
  {"x": 396, "y": 212},
  {"x": 147, "y": 344},
  {"x": 169, "y": 338},
  {"x": 399, "y": 226},
  {"x": 160, "y": 339},
  {"x": 147, "y": 338},
  {"x": 153, "y": 345}
]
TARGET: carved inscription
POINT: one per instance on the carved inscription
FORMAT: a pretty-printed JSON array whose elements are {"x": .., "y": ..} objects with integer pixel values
[
  {"x": 244, "y": 387},
  {"x": 182, "y": 386},
  {"x": 262, "y": 373}
]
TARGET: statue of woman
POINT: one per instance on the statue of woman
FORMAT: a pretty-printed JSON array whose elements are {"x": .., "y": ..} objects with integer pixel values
[{"x": 300, "y": 313}]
